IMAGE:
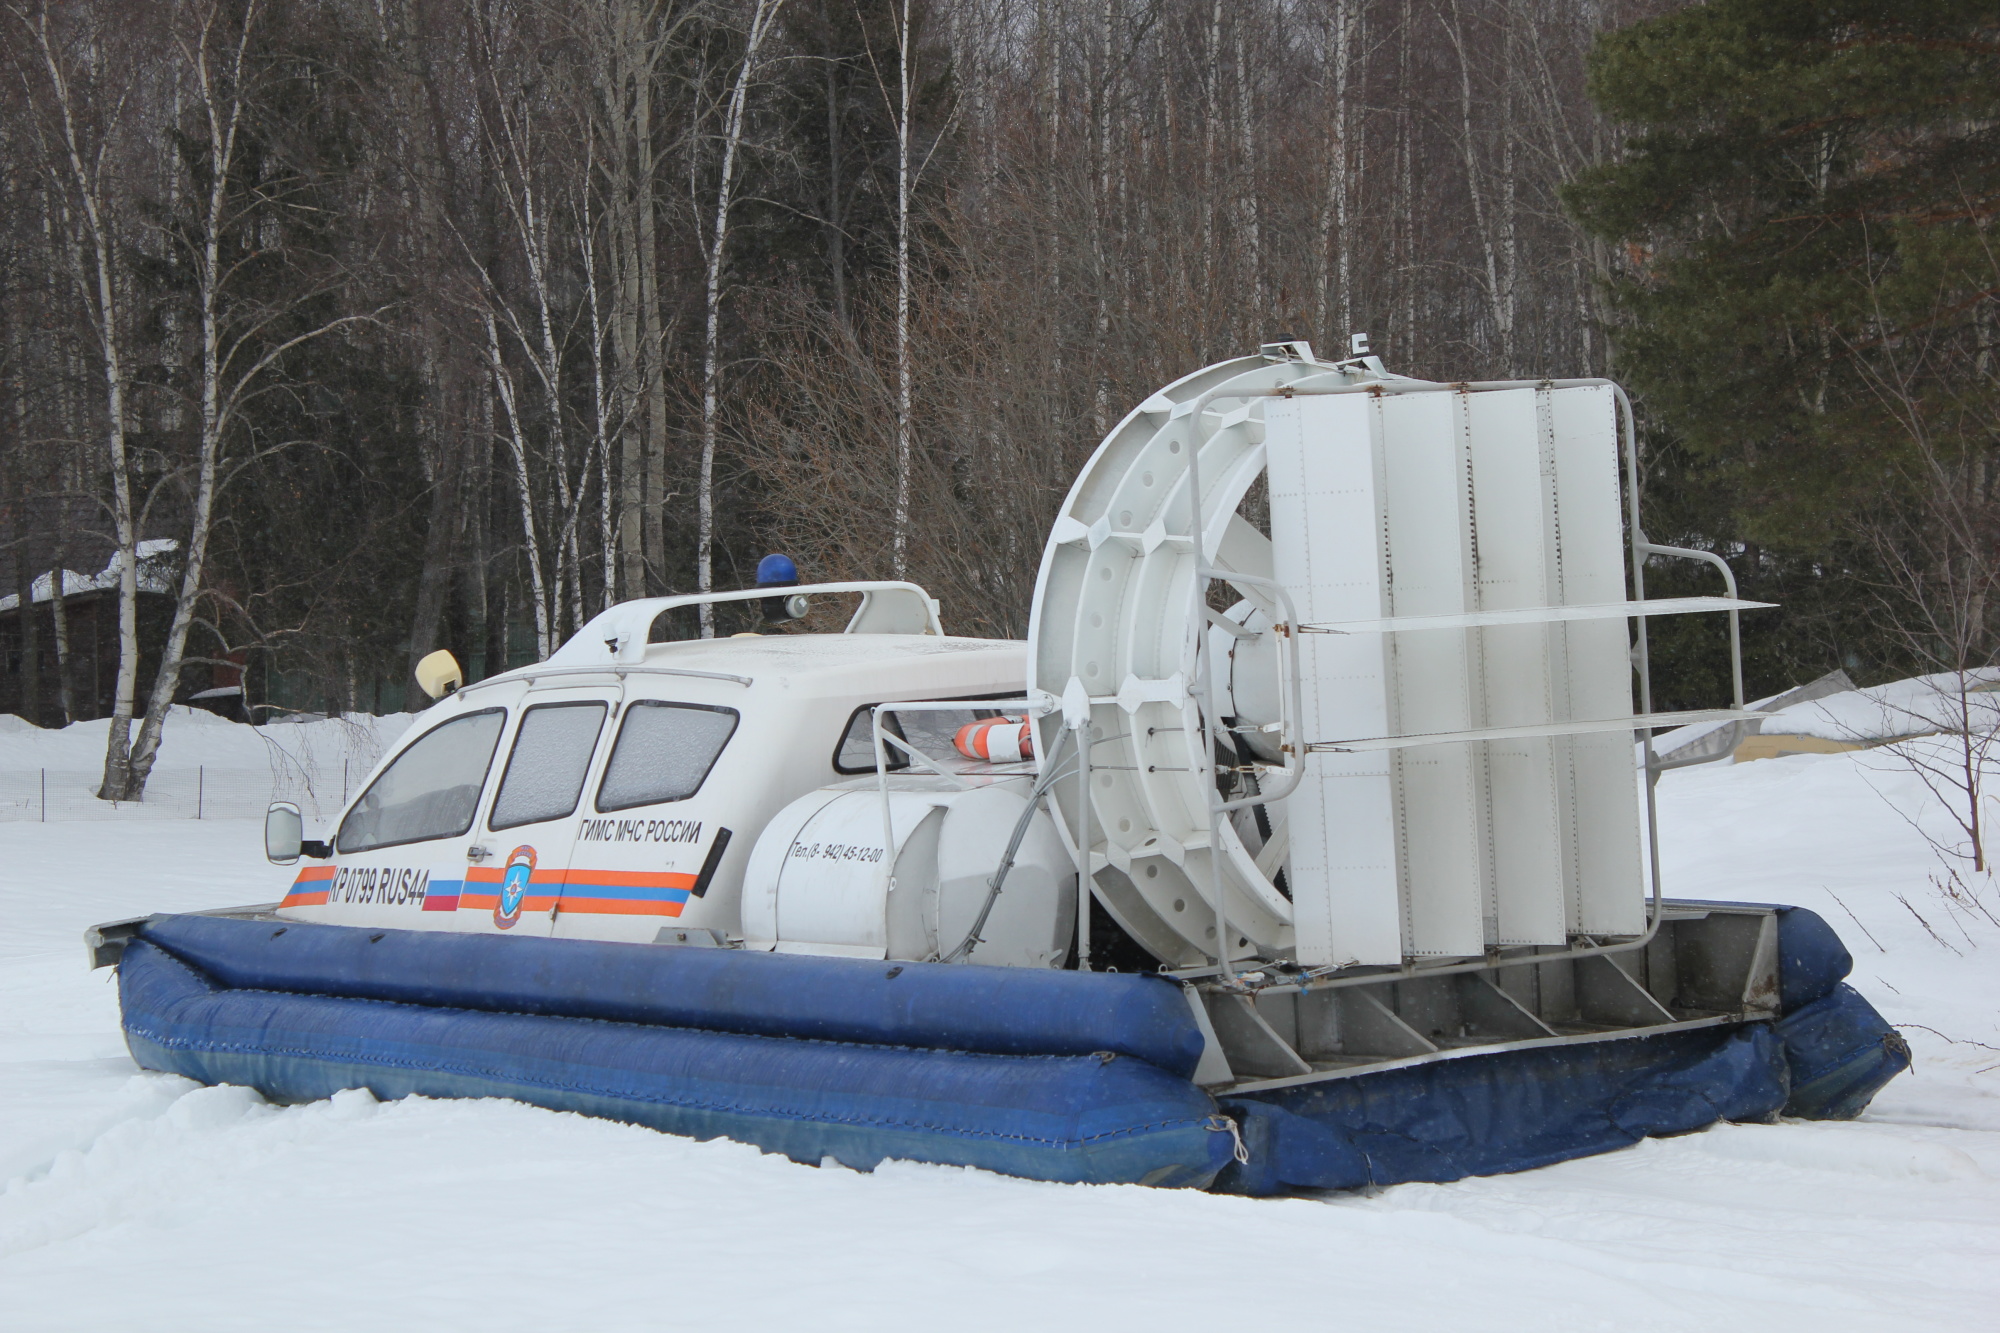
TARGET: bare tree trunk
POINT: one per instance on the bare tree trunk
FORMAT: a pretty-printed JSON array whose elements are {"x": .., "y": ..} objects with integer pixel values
[
  {"x": 517, "y": 445},
  {"x": 625, "y": 338},
  {"x": 900, "y": 560},
  {"x": 632, "y": 375},
  {"x": 711, "y": 348},
  {"x": 627, "y": 47},
  {"x": 1053, "y": 48},
  {"x": 835, "y": 227},
  {"x": 600, "y": 402},
  {"x": 1494, "y": 220},
  {"x": 1100, "y": 205},
  {"x": 652, "y": 355},
  {"x": 441, "y": 534},
  {"x": 1355, "y": 150},
  {"x": 1339, "y": 175},
  {"x": 1249, "y": 205},
  {"x": 222, "y": 105},
  {"x": 1405, "y": 204},
  {"x": 24, "y": 578},
  {"x": 59, "y": 613},
  {"x": 26, "y": 616},
  {"x": 1335, "y": 169},
  {"x": 479, "y": 576},
  {"x": 230, "y": 366},
  {"x": 98, "y": 281},
  {"x": 1119, "y": 155},
  {"x": 1211, "y": 115},
  {"x": 422, "y": 134},
  {"x": 1510, "y": 255},
  {"x": 606, "y": 536}
]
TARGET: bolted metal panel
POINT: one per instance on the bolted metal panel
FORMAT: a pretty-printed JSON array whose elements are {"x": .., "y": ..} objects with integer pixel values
[
  {"x": 1607, "y": 885},
  {"x": 1327, "y": 520},
  {"x": 1518, "y": 556},
  {"x": 1439, "y": 790}
]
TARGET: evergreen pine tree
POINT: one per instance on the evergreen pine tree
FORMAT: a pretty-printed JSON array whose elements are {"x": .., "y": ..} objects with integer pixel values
[{"x": 1807, "y": 203}]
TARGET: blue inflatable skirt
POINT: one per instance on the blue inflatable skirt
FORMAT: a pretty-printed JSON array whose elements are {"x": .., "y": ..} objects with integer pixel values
[
  {"x": 1055, "y": 1076},
  {"x": 1099, "y": 1117}
]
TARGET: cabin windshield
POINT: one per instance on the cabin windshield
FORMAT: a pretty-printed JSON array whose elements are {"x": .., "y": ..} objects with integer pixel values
[{"x": 430, "y": 790}]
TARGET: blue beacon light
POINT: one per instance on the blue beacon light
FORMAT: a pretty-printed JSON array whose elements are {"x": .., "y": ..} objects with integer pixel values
[{"x": 777, "y": 571}]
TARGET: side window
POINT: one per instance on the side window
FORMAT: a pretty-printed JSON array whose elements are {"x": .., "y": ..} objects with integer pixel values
[
  {"x": 856, "y": 751},
  {"x": 929, "y": 731},
  {"x": 430, "y": 790},
  {"x": 551, "y": 758},
  {"x": 664, "y": 753}
]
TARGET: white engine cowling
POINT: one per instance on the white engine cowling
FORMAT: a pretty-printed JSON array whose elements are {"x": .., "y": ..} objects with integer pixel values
[{"x": 815, "y": 882}]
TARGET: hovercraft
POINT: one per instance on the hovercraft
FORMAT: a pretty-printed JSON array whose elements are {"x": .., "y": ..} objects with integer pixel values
[{"x": 1300, "y": 846}]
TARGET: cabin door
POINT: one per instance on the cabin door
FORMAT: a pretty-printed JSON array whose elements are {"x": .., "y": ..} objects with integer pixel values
[
  {"x": 402, "y": 843},
  {"x": 648, "y": 843},
  {"x": 529, "y": 831}
]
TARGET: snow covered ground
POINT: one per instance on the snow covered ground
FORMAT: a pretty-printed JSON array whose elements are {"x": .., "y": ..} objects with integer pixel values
[
  {"x": 208, "y": 768},
  {"x": 139, "y": 1201}
]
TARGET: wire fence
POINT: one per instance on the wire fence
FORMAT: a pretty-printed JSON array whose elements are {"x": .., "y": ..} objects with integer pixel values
[{"x": 52, "y": 795}]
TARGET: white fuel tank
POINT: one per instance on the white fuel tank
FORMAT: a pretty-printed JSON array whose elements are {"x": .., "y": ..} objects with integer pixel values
[{"x": 816, "y": 882}]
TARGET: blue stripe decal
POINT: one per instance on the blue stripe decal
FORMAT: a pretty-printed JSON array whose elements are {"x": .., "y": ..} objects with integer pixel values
[
  {"x": 443, "y": 888},
  {"x": 637, "y": 893}
]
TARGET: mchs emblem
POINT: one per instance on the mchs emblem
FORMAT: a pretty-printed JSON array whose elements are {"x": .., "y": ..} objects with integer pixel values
[{"x": 514, "y": 887}]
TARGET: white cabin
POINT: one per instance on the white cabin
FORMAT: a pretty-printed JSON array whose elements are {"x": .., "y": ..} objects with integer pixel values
[{"x": 622, "y": 799}]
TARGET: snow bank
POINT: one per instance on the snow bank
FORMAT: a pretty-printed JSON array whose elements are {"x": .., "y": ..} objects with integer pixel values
[
  {"x": 1831, "y": 708},
  {"x": 1900, "y": 708},
  {"x": 208, "y": 767},
  {"x": 192, "y": 736}
]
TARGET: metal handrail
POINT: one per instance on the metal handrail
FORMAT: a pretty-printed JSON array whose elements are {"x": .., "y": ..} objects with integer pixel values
[
  {"x": 1729, "y": 581},
  {"x": 531, "y": 674},
  {"x": 624, "y": 627}
]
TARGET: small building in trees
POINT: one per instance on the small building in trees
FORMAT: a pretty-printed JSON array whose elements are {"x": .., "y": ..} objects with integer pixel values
[
  {"x": 31, "y": 670},
  {"x": 61, "y": 659}
]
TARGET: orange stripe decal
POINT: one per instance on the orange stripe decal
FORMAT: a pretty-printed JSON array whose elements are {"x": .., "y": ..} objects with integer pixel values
[{"x": 310, "y": 888}]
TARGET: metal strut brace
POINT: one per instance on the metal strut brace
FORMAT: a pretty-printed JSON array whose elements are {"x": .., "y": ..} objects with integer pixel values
[
  {"x": 1029, "y": 707},
  {"x": 993, "y": 886}
]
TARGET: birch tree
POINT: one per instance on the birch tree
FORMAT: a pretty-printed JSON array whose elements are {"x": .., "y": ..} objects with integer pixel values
[
  {"x": 606, "y": 410},
  {"x": 899, "y": 560},
  {"x": 521, "y": 117},
  {"x": 626, "y": 43},
  {"x": 87, "y": 123},
  {"x": 236, "y": 344},
  {"x": 761, "y": 22},
  {"x": 1493, "y": 218},
  {"x": 1333, "y": 294},
  {"x": 524, "y": 486}
]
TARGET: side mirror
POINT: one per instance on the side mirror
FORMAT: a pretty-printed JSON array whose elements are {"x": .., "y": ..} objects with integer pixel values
[
  {"x": 284, "y": 833},
  {"x": 439, "y": 674}
]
